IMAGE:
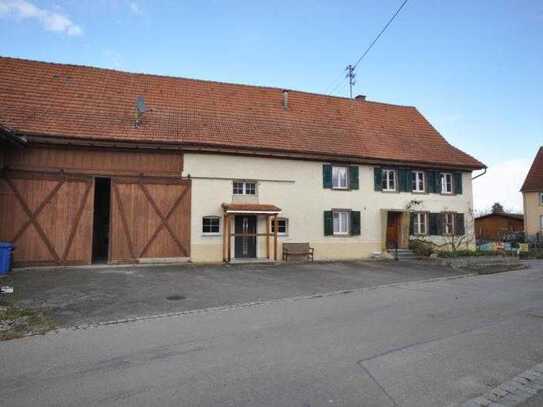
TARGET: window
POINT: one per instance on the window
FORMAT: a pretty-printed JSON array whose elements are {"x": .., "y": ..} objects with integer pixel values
[
  {"x": 282, "y": 226},
  {"x": 341, "y": 222},
  {"x": 449, "y": 223},
  {"x": 244, "y": 188},
  {"x": 210, "y": 224},
  {"x": 446, "y": 183},
  {"x": 389, "y": 180},
  {"x": 339, "y": 178},
  {"x": 418, "y": 181},
  {"x": 541, "y": 198},
  {"x": 541, "y": 222},
  {"x": 420, "y": 222}
]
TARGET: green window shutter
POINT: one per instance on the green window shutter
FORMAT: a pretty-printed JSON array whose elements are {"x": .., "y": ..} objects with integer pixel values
[
  {"x": 430, "y": 183},
  {"x": 434, "y": 219},
  {"x": 457, "y": 179},
  {"x": 378, "y": 178},
  {"x": 459, "y": 226},
  {"x": 437, "y": 182},
  {"x": 355, "y": 223},
  {"x": 327, "y": 176},
  {"x": 404, "y": 176},
  {"x": 328, "y": 223},
  {"x": 412, "y": 223},
  {"x": 440, "y": 224},
  {"x": 353, "y": 176}
]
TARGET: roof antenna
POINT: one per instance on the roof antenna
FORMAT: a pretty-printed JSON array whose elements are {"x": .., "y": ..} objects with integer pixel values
[
  {"x": 140, "y": 110},
  {"x": 350, "y": 75}
]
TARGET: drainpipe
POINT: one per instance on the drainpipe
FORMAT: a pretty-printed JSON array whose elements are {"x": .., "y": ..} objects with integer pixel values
[{"x": 479, "y": 175}]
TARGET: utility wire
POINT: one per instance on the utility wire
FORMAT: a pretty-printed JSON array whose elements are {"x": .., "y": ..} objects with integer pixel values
[
  {"x": 381, "y": 33},
  {"x": 371, "y": 45}
]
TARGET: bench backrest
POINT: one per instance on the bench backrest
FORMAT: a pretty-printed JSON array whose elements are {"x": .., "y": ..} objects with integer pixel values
[{"x": 296, "y": 247}]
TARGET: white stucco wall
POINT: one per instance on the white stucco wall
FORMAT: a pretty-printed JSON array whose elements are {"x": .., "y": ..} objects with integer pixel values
[{"x": 296, "y": 187}]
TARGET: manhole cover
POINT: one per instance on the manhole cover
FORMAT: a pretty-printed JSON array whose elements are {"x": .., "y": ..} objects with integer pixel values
[{"x": 175, "y": 297}]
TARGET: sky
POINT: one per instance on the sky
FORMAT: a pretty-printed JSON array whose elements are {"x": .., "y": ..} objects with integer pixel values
[{"x": 473, "y": 68}]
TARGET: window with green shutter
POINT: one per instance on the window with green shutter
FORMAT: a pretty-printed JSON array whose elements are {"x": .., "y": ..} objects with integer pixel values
[
  {"x": 328, "y": 223},
  {"x": 378, "y": 178},
  {"x": 353, "y": 177},
  {"x": 457, "y": 176},
  {"x": 327, "y": 176},
  {"x": 355, "y": 223},
  {"x": 436, "y": 223},
  {"x": 404, "y": 176},
  {"x": 459, "y": 225}
]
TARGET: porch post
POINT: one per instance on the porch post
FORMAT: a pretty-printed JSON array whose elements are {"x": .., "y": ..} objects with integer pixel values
[
  {"x": 228, "y": 253},
  {"x": 224, "y": 237},
  {"x": 267, "y": 236},
  {"x": 275, "y": 237}
]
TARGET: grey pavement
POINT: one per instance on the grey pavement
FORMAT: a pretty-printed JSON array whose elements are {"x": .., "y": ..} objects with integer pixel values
[
  {"x": 81, "y": 296},
  {"x": 419, "y": 343}
]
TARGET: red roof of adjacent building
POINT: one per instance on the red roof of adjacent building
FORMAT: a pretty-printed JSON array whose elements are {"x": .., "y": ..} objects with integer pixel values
[
  {"x": 534, "y": 179},
  {"x": 79, "y": 102}
]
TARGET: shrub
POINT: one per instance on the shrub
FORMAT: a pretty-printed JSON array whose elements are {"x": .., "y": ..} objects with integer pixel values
[{"x": 421, "y": 249}]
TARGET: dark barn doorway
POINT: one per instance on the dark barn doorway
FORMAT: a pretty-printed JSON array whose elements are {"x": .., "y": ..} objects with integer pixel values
[{"x": 102, "y": 202}]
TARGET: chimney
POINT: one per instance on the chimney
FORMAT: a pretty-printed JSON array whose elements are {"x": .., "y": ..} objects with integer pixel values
[
  {"x": 285, "y": 99},
  {"x": 360, "y": 98}
]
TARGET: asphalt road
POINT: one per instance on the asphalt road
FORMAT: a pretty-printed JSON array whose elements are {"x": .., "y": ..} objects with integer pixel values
[{"x": 433, "y": 343}]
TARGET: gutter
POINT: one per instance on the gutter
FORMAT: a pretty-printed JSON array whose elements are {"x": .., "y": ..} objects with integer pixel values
[
  {"x": 7, "y": 135},
  {"x": 480, "y": 175}
]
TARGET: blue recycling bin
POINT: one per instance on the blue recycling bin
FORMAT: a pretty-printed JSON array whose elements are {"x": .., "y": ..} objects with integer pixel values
[{"x": 5, "y": 257}]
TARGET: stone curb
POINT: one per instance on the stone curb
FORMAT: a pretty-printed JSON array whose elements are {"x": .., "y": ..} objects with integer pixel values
[
  {"x": 512, "y": 393},
  {"x": 258, "y": 303}
]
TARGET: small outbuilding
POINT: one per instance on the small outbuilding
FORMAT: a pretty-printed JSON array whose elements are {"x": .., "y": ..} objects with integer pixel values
[{"x": 494, "y": 226}]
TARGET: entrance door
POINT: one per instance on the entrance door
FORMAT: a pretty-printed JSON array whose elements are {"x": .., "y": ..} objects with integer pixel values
[
  {"x": 245, "y": 246},
  {"x": 393, "y": 230}
]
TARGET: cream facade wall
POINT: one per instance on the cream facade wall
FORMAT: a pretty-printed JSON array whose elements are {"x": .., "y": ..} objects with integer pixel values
[
  {"x": 296, "y": 187},
  {"x": 533, "y": 211}
]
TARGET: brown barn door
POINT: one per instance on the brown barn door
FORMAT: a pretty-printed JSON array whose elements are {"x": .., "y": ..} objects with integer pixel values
[
  {"x": 150, "y": 219},
  {"x": 48, "y": 217}
]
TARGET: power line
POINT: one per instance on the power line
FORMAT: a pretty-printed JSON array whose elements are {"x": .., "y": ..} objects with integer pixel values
[
  {"x": 381, "y": 33},
  {"x": 351, "y": 68}
]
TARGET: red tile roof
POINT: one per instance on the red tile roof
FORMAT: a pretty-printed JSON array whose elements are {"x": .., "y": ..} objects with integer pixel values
[
  {"x": 248, "y": 207},
  {"x": 534, "y": 179},
  {"x": 47, "y": 99}
]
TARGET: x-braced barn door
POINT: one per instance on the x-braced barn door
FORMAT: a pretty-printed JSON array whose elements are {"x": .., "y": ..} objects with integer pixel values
[
  {"x": 150, "y": 218},
  {"x": 48, "y": 217}
]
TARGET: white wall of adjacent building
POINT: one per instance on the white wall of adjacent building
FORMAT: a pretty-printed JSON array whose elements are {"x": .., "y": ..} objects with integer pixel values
[{"x": 296, "y": 186}]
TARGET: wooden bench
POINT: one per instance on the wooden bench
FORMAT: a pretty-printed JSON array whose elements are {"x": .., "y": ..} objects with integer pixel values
[{"x": 297, "y": 249}]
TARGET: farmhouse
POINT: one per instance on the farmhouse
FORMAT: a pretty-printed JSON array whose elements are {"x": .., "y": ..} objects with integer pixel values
[
  {"x": 106, "y": 166},
  {"x": 532, "y": 193}
]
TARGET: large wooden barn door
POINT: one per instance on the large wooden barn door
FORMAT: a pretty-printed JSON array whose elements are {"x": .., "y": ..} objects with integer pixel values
[
  {"x": 150, "y": 218},
  {"x": 48, "y": 217}
]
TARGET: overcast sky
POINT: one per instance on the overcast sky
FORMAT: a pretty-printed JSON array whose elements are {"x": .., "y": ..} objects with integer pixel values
[{"x": 473, "y": 68}]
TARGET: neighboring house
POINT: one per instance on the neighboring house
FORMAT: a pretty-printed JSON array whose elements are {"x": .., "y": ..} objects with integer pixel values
[
  {"x": 494, "y": 226},
  {"x": 532, "y": 192},
  {"x": 122, "y": 167}
]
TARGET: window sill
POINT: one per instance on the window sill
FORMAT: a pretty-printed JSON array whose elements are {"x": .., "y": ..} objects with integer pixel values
[{"x": 212, "y": 234}]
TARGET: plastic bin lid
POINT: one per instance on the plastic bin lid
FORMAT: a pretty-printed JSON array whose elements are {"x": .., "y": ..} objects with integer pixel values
[{"x": 6, "y": 244}]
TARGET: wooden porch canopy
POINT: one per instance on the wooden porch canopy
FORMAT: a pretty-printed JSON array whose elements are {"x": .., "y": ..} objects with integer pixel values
[{"x": 233, "y": 209}]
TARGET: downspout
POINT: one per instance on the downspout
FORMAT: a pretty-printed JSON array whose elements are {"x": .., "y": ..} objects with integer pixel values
[{"x": 479, "y": 175}]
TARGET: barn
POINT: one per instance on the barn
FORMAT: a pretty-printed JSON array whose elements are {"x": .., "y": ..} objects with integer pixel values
[{"x": 70, "y": 192}]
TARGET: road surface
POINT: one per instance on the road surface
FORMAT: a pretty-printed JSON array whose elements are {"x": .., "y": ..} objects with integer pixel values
[{"x": 428, "y": 343}]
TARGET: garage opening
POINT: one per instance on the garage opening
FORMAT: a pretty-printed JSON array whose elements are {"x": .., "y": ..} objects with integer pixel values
[{"x": 100, "y": 240}]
